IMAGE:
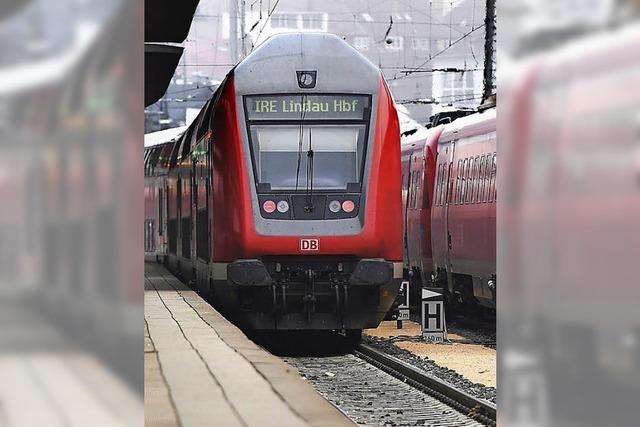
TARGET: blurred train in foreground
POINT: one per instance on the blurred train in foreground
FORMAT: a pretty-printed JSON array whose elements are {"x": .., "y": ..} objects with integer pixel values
[
  {"x": 568, "y": 247},
  {"x": 449, "y": 199},
  {"x": 281, "y": 202}
]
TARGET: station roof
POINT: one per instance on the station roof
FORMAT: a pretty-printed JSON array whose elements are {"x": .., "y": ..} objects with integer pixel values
[
  {"x": 168, "y": 21},
  {"x": 166, "y": 24}
]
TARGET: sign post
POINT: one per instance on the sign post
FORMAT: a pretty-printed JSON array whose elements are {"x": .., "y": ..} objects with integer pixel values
[
  {"x": 403, "y": 309},
  {"x": 434, "y": 327}
]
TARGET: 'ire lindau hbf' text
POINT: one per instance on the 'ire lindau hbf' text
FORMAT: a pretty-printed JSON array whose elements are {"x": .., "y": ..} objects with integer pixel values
[{"x": 290, "y": 106}]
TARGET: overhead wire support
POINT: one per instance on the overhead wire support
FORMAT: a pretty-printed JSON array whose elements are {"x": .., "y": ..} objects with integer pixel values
[
  {"x": 489, "y": 49},
  {"x": 440, "y": 52}
]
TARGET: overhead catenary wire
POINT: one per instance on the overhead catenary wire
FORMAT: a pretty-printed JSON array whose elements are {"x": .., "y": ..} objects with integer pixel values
[
  {"x": 440, "y": 52},
  {"x": 269, "y": 14}
]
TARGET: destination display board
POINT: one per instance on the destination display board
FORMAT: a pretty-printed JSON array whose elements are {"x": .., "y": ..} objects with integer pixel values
[{"x": 307, "y": 107}]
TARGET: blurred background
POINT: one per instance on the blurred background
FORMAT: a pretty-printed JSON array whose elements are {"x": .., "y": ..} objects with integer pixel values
[
  {"x": 431, "y": 52},
  {"x": 569, "y": 203},
  {"x": 72, "y": 120},
  {"x": 71, "y": 124}
]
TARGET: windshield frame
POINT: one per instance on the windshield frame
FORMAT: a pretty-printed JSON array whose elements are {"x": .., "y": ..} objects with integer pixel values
[{"x": 365, "y": 121}]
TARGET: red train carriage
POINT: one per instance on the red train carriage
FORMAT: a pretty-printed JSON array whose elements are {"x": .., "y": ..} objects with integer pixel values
[
  {"x": 158, "y": 148},
  {"x": 449, "y": 207},
  {"x": 419, "y": 152},
  {"x": 283, "y": 197},
  {"x": 463, "y": 217}
]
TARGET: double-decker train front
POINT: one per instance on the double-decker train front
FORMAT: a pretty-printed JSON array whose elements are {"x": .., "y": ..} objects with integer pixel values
[{"x": 315, "y": 240}]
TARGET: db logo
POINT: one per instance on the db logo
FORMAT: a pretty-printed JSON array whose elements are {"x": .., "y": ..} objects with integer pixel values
[{"x": 309, "y": 244}]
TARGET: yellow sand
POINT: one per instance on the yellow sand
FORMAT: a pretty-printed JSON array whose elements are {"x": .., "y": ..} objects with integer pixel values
[{"x": 473, "y": 361}]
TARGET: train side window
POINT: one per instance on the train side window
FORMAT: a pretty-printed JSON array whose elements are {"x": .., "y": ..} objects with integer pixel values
[
  {"x": 476, "y": 187},
  {"x": 179, "y": 197},
  {"x": 456, "y": 199},
  {"x": 439, "y": 186},
  {"x": 203, "y": 125},
  {"x": 492, "y": 179},
  {"x": 476, "y": 168},
  {"x": 465, "y": 169},
  {"x": 467, "y": 178},
  {"x": 457, "y": 190},
  {"x": 435, "y": 196},
  {"x": 495, "y": 178},
  {"x": 416, "y": 188},
  {"x": 450, "y": 184},
  {"x": 186, "y": 146},
  {"x": 469, "y": 182},
  {"x": 481, "y": 178},
  {"x": 160, "y": 210},
  {"x": 174, "y": 153},
  {"x": 443, "y": 183},
  {"x": 472, "y": 172},
  {"x": 487, "y": 178}
]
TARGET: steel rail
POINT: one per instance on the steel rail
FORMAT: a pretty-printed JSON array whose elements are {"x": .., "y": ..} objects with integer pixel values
[{"x": 477, "y": 409}]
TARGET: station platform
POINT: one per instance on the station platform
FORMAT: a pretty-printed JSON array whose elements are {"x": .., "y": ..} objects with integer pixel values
[{"x": 202, "y": 370}]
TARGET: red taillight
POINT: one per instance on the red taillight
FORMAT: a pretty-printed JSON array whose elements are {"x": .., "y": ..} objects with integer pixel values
[
  {"x": 348, "y": 206},
  {"x": 269, "y": 206}
]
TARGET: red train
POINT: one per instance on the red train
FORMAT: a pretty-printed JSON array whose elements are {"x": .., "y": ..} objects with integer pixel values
[
  {"x": 281, "y": 202},
  {"x": 449, "y": 196}
]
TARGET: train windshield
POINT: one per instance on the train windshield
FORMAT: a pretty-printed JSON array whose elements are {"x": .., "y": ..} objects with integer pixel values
[{"x": 296, "y": 139}]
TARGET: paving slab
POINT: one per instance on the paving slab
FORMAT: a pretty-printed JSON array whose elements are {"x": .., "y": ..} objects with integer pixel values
[{"x": 200, "y": 369}]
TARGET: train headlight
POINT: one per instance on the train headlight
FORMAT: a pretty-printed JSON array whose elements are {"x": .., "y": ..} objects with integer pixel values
[
  {"x": 348, "y": 206},
  {"x": 269, "y": 206},
  {"x": 283, "y": 206},
  {"x": 334, "y": 206}
]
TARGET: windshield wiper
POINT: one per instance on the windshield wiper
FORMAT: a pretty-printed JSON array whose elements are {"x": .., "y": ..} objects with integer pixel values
[
  {"x": 308, "y": 207},
  {"x": 300, "y": 141}
]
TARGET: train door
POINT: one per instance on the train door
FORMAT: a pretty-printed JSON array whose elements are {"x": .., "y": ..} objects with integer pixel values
[
  {"x": 408, "y": 207},
  {"x": 161, "y": 234},
  {"x": 201, "y": 205},
  {"x": 445, "y": 187},
  {"x": 193, "y": 206},
  {"x": 447, "y": 167},
  {"x": 406, "y": 181},
  {"x": 178, "y": 213},
  {"x": 415, "y": 233},
  {"x": 185, "y": 225}
]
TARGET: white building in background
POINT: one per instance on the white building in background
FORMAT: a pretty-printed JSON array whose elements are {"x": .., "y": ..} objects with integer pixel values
[{"x": 398, "y": 37}]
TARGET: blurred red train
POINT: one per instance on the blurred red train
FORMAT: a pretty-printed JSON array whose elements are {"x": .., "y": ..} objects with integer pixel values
[
  {"x": 449, "y": 196},
  {"x": 282, "y": 201}
]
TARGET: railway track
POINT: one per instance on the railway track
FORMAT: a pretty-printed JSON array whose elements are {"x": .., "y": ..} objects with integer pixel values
[
  {"x": 474, "y": 408},
  {"x": 373, "y": 388}
]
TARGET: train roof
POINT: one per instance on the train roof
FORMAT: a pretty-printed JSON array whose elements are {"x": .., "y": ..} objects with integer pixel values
[
  {"x": 273, "y": 66},
  {"x": 163, "y": 136},
  {"x": 472, "y": 124}
]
